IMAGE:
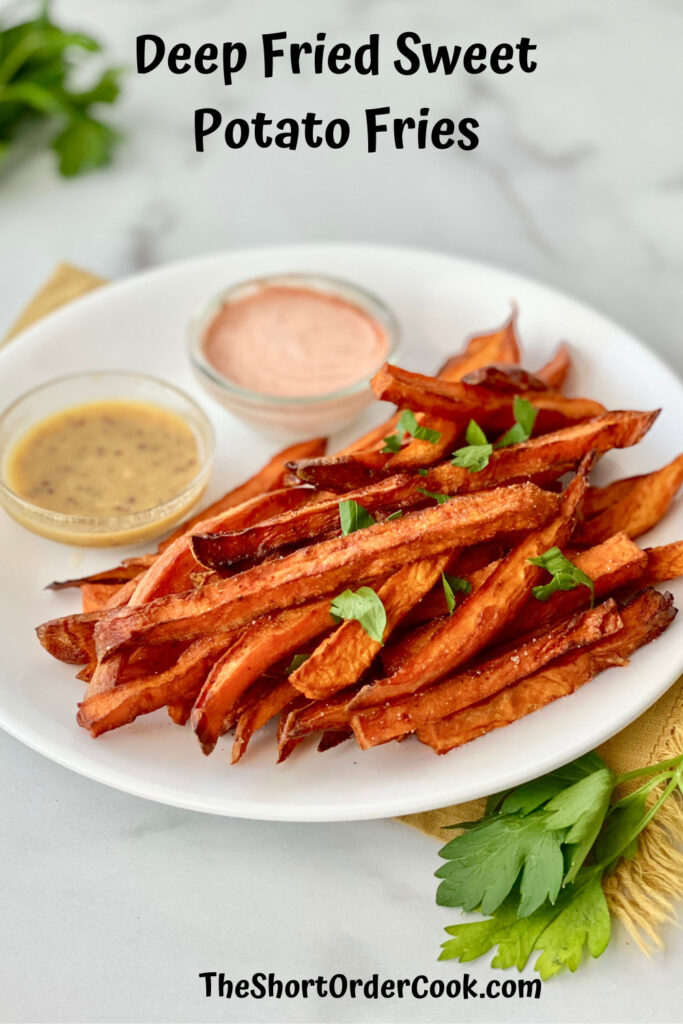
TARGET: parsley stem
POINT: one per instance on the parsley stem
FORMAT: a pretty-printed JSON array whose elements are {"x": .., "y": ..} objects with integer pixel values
[
  {"x": 672, "y": 785},
  {"x": 638, "y": 773}
]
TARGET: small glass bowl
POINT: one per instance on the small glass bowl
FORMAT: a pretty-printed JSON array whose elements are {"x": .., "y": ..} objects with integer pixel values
[
  {"x": 81, "y": 388},
  {"x": 282, "y": 417}
]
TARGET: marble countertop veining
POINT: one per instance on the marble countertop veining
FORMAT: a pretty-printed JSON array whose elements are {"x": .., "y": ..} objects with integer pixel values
[{"x": 113, "y": 905}]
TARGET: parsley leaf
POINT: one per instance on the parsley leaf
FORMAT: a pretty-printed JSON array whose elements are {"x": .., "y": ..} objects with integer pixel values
[
  {"x": 36, "y": 64},
  {"x": 363, "y": 605},
  {"x": 353, "y": 516},
  {"x": 394, "y": 515},
  {"x": 438, "y": 497},
  {"x": 453, "y": 585},
  {"x": 408, "y": 424},
  {"x": 476, "y": 453},
  {"x": 510, "y": 857},
  {"x": 565, "y": 575},
  {"x": 296, "y": 662},
  {"x": 423, "y": 472},
  {"x": 484, "y": 864},
  {"x": 525, "y": 417}
]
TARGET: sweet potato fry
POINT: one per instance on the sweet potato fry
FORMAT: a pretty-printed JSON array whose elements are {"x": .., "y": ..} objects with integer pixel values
[
  {"x": 96, "y": 596},
  {"x": 519, "y": 461},
  {"x": 461, "y": 403},
  {"x": 344, "y": 656},
  {"x": 664, "y": 563},
  {"x": 487, "y": 676},
  {"x": 111, "y": 577},
  {"x": 555, "y": 371},
  {"x": 254, "y": 718},
  {"x": 269, "y": 478},
  {"x": 508, "y": 380},
  {"x": 172, "y": 569},
  {"x": 644, "y": 619},
  {"x": 70, "y": 638},
  {"x": 499, "y": 346},
  {"x": 486, "y": 612},
  {"x": 118, "y": 706},
  {"x": 259, "y": 647},
  {"x": 329, "y": 715},
  {"x": 632, "y": 506},
  {"x": 331, "y": 739},
  {"x": 323, "y": 568}
]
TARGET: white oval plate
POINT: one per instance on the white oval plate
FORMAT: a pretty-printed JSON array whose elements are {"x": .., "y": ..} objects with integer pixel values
[{"x": 139, "y": 324}]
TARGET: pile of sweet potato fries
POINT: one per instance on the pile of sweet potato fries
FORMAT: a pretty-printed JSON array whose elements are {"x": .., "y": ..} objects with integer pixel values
[{"x": 228, "y": 624}]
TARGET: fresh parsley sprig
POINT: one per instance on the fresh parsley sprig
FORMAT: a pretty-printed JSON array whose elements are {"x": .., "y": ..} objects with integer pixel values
[
  {"x": 438, "y": 497},
  {"x": 534, "y": 864},
  {"x": 363, "y": 605},
  {"x": 407, "y": 424},
  {"x": 476, "y": 453},
  {"x": 36, "y": 64},
  {"x": 353, "y": 516},
  {"x": 453, "y": 585},
  {"x": 565, "y": 575},
  {"x": 297, "y": 661}
]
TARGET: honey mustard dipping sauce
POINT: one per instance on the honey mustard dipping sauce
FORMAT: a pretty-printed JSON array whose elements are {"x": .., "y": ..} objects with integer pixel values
[
  {"x": 104, "y": 459},
  {"x": 114, "y": 470}
]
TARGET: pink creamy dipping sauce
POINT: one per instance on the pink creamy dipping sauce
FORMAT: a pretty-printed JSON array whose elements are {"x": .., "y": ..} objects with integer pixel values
[{"x": 294, "y": 342}]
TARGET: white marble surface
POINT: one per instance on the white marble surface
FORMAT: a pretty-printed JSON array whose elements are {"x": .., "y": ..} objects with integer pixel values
[{"x": 111, "y": 905}]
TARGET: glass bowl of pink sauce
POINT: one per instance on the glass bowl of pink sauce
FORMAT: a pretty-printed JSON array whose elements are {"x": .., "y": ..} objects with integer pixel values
[{"x": 292, "y": 354}]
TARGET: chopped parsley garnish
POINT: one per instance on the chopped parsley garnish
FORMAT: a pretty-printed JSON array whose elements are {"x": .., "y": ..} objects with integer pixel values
[
  {"x": 565, "y": 575},
  {"x": 408, "y": 424},
  {"x": 475, "y": 455},
  {"x": 353, "y": 516},
  {"x": 453, "y": 585},
  {"x": 363, "y": 605}
]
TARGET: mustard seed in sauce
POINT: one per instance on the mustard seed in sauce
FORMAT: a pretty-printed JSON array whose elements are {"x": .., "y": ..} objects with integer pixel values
[{"x": 104, "y": 458}]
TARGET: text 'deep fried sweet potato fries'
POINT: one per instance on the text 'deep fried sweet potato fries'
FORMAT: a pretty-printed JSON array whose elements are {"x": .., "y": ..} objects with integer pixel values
[{"x": 446, "y": 575}]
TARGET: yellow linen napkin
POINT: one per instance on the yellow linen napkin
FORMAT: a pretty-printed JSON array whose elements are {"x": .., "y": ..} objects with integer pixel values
[{"x": 640, "y": 892}]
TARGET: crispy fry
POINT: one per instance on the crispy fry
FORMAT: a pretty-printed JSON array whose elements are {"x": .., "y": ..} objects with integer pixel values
[
  {"x": 329, "y": 715},
  {"x": 505, "y": 379},
  {"x": 486, "y": 612},
  {"x": 96, "y": 596},
  {"x": 118, "y": 706},
  {"x": 331, "y": 739},
  {"x": 269, "y": 478},
  {"x": 499, "y": 346},
  {"x": 325, "y": 567},
  {"x": 525, "y": 460},
  {"x": 342, "y": 658},
  {"x": 271, "y": 704},
  {"x": 664, "y": 563},
  {"x": 645, "y": 618},
  {"x": 632, "y": 506},
  {"x": 486, "y": 677},
  {"x": 172, "y": 570},
  {"x": 555, "y": 371},
  {"x": 270, "y": 639},
  {"x": 461, "y": 403},
  {"x": 119, "y": 574},
  {"x": 70, "y": 638}
]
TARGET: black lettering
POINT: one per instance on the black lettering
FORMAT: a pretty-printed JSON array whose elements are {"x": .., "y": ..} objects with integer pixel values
[
  {"x": 529, "y": 988},
  {"x": 310, "y": 122},
  {"x": 234, "y": 59},
  {"x": 371, "y": 988},
  {"x": 296, "y": 50},
  {"x": 306, "y": 983},
  {"x": 500, "y": 53},
  {"x": 402, "y": 984},
  {"x": 242, "y": 988},
  {"x": 388, "y": 988},
  {"x": 224, "y": 986},
  {"x": 292, "y": 988},
  {"x": 258, "y": 988},
  {"x": 319, "y": 55},
  {"x": 274, "y": 987},
  {"x": 236, "y": 133},
  {"x": 288, "y": 133},
  {"x": 509, "y": 988},
  {"x": 403, "y": 47},
  {"x": 338, "y": 60},
  {"x": 337, "y": 133},
  {"x": 453, "y": 988},
  {"x": 366, "y": 60},
  {"x": 144, "y": 68},
  {"x": 417, "y": 992},
  {"x": 373, "y": 127},
  {"x": 179, "y": 58},
  {"x": 449, "y": 58},
  {"x": 524, "y": 45},
  {"x": 474, "y": 60},
  {"x": 470, "y": 139},
  {"x": 207, "y": 976},
  {"x": 321, "y": 986},
  {"x": 269, "y": 51},
  {"x": 469, "y": 986},
  {"x": 260, "y": 122},
  {"x": 400, "y": 125},
  {"x": 338, "y": 986},
  {"x": 206, "y": 53},
  {"x": 201, "y": 130},
  {"x": 442, "y": 133}
]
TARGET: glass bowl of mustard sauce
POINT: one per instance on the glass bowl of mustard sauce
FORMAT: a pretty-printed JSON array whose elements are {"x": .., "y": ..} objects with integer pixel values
[
  {"x": 103, "y": 459},
  {"x": 292, "y": 354}
]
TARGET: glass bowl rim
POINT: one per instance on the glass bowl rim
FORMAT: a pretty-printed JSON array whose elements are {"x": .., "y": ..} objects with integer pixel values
[
  {"x": 124, "y": 521},
  {"x": 354, "y": 295}
]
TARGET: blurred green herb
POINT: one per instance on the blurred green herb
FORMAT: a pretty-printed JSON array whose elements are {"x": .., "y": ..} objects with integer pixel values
[{"x": 37, "y": 59}]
